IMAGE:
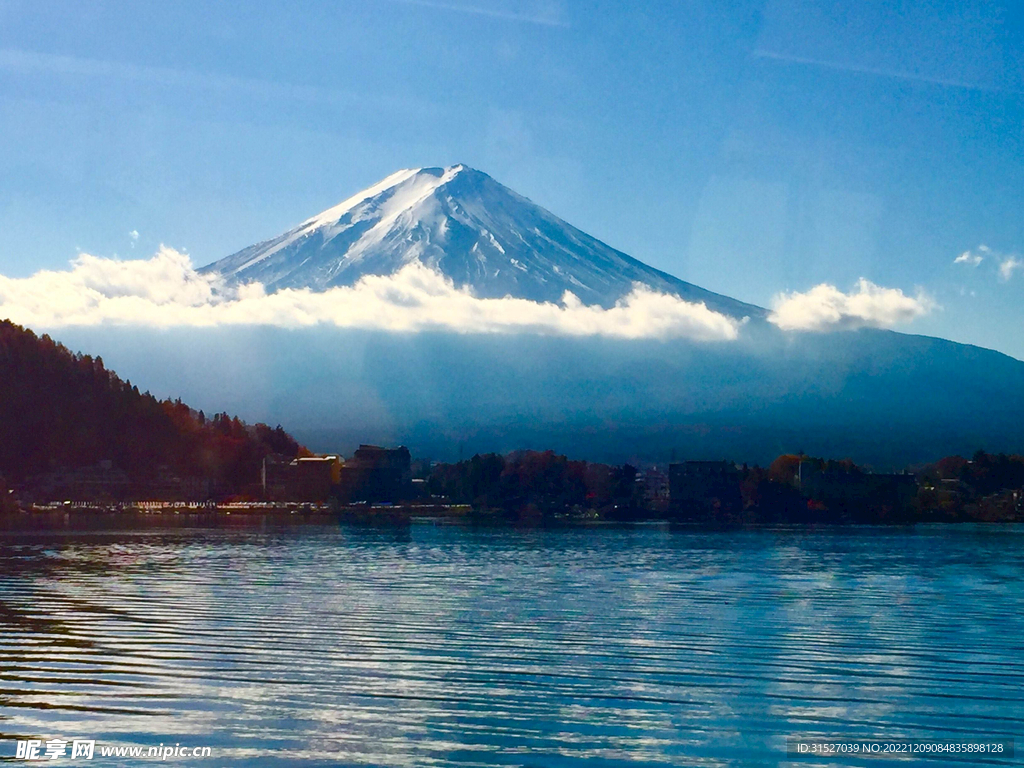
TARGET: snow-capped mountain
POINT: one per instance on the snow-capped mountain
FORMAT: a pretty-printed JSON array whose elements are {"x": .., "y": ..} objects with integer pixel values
[{"x": 469, "y": 227}]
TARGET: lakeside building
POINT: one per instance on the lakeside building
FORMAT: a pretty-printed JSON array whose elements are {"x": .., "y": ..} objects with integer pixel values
[
  {"x": 372, "y": 474},
  {"x": 170, "y": 486},
  {"x": 1004, "y": 506},
  {"x": 376, "y": 474},
  {"x": 701, "y": 488},
  {"x": 315, "y": 477},
  {"x": 654, "y": 486},
  {"x": 309, "y": 478},
  {"x": 105, "y": 482},
  {"x": 274, "y": 477},
  {"x": 99, "y": 481},
  {"x": 854, "y": 490}
]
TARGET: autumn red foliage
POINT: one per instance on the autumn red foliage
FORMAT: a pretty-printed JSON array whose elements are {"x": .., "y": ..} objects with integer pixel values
[{"x": 60, "y": 409}]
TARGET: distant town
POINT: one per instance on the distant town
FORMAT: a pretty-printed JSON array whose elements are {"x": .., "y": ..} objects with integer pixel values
[{"x": 542, "y": 487}]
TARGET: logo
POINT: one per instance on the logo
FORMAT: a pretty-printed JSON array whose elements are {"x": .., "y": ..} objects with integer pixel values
[
  {"x": 55, "y": 749},
  {"x": 84, "y": 749}
]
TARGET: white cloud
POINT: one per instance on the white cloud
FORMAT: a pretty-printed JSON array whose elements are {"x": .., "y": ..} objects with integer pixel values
[
  {"x": 1008, "y": 266},
  {"x": 826, "y": 308},
  {"x": 166, "y": 291},
  {"x": 971, "y": 258},
  {"x": 134, "y": 236}
]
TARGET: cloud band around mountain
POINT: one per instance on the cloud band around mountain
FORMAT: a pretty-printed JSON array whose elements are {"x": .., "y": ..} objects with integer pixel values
[
  {"x": 166, "y": 291},
  {"x": 826, "y": 308}
]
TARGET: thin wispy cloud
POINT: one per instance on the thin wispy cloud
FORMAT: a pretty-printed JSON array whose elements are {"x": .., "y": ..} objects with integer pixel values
[
  {"x": 166, "y": 291},
  {"x": 826, "y": 308},
  {"x": 23, "y": 62},
  {"x": 879, "y": 71},
  {"x": 1006, "y": 264},
  {"x": 548, "y": 15}
]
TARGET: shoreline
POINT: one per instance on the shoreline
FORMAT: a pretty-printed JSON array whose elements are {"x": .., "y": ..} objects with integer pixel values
[{"x": 180, "y": 514}]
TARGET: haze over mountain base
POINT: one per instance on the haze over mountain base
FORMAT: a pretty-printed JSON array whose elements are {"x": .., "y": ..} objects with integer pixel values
[{"x": 879, "y": 397}]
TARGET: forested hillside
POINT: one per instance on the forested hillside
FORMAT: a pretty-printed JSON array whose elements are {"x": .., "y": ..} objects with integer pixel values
[{"x": 60, "y": 409}]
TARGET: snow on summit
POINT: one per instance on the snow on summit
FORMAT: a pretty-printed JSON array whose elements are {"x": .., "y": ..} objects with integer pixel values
[{"x": 462, "y": 223}]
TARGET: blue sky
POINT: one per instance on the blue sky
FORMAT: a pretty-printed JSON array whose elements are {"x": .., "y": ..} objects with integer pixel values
[{"x": 749, "y": 147}]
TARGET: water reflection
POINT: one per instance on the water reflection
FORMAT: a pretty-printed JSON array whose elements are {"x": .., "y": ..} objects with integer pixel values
[{"x": 443, "y": 645}]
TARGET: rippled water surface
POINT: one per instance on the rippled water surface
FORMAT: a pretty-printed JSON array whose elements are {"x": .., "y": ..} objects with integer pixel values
[{"x": 444, "y": 645}]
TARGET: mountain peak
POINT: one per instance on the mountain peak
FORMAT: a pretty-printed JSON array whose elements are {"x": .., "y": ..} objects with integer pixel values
[
  {"x": 464, "y": 224},
  {"x": 431, "y": 178}
]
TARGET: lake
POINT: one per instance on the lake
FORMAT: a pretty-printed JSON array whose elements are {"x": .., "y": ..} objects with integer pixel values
[{"x": 444, "y": 645}]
